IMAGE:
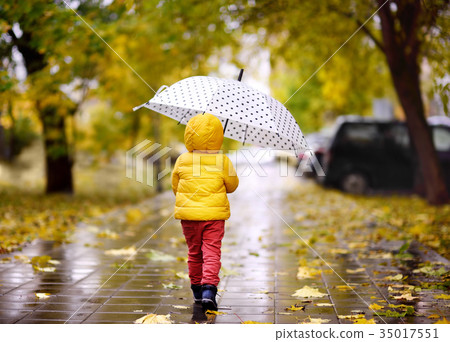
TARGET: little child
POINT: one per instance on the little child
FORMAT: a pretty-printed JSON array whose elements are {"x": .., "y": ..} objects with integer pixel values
[{"x": 201, "y": 179}]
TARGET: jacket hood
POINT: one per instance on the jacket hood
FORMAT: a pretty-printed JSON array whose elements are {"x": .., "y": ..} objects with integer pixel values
[{"x": 203, "y": 132}]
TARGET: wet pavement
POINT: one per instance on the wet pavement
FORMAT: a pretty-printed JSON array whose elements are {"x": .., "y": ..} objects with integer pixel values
[{"x": 262, "y": 250}]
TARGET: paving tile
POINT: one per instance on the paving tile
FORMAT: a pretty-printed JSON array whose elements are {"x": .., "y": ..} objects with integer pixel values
[
  {"x": 124, "y": 308},
  {"x": 183, "y": 318},
  {"x": 147, "y": 294},
  {"x": 249, "y": 310},
  {"x": 57, "y": 315},
  {"x": 67, "y": 307},
  {"x": 13, "y": 315},
  {"x": 29, "y": 298},
  {"x": 135, "y": 300},
  {"x": 20, "y": 306},
  {"x": 47, "y": 321},
  {"x": 114, "y": 317},
  {"x": 233, "y": 318},
  {"x": 246, "y": 302},
  {"x": 79, "y": 300},
  {"x": 88, "y": 292}
]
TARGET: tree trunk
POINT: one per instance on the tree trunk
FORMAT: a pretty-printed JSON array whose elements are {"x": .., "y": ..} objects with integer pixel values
[
  {"x": 57, "y": 159},
  {"x": 401, "y": 47},
  {"x": 408, "y": 90},
  {"x": 12, "y": 135}
]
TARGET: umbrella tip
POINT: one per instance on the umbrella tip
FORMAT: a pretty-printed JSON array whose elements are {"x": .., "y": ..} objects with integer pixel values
[{"x": 240, "y": 75}]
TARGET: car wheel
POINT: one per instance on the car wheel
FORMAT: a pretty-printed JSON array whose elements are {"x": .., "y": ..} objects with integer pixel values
[{"x": 355, "y": 183}]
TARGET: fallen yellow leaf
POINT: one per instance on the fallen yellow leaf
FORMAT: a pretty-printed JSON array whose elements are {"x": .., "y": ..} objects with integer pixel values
[
  {"x": 42, "y": 295},
  {"x": 364, "y": 321},
  {"x": 397, "y": 277},
  {"x": 307, "y": 292},
  {"x": 324, "y": 304},
  {"x": 108, "y": 234},
  {"x": 213, "y": 312},
  {"x": 344, "y": 287},
  {"x": 351, "y": 317},
  {"x": 44, "y": 269},
  {"x": 182, "y": 275},
  {"x": 375, "y": 306},
  {"x": 405, "y": 296},
  {"x": 154, "y": 319},
  {"x": 315, "y": 321},
  {"x": 357, "y": 270},
  {"x": 339, "y": 251},
  {"x": 442, "y": 321},
  {"x": 134, "y": 215},
  {"x": 305, "y": 272},
  {"x": 253, "y": 322},
  {"x": 442, "y": 296},
  {"x": 122, "y": 252},
  {"x": 22, "y": 258},
  {"x": 295, "y": 308}
]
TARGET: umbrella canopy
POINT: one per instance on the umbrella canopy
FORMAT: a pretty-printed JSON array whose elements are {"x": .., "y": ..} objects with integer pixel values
[{"x": 248, "y": 115}]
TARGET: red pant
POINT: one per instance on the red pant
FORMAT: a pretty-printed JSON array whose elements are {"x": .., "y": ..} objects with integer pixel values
[{"x": 204, "y": 239}]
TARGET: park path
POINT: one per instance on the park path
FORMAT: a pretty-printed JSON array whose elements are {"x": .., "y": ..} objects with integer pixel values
[{"x": 261, "y": 255}]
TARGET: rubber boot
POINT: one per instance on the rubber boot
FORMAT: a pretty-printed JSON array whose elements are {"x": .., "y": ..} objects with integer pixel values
[
  {"x": 197, "y": 291},
  {"x": 209, "y": 297}
]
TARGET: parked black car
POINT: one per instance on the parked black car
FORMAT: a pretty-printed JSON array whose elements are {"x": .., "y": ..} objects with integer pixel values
[{"x": 370, "y": 154}]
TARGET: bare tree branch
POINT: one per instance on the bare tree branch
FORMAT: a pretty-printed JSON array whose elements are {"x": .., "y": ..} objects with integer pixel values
[{"x": 351, "y": 15}]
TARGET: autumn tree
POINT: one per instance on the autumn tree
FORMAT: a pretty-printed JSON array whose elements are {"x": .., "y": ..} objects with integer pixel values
[
  {"x": 164, "y": 42},
  {"x": 55, "y": 53},
  {"x": 405, "y": 32},
  {"x": 406, "y": 27}
]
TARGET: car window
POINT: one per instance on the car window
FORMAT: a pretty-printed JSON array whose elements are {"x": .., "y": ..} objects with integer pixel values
[
  {"x": 441, "y": 138},
  {"x": 359, "y": 134},
  {"x": 398, "y": 135}
]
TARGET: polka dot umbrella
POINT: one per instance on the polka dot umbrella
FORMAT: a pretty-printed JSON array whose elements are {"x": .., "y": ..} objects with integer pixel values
[{"x": 247, "y": 115}]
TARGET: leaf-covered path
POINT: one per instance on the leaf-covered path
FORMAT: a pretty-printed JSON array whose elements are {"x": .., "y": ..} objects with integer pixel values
[{"x": 292, "y": 253}]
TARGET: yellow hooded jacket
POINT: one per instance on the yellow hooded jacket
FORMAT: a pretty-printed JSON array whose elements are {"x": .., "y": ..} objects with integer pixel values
[{"x": 203, "y": 176}]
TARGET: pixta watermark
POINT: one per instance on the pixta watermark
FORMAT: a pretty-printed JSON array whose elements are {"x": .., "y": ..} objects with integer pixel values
[{"x": 149, "y": 162}]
